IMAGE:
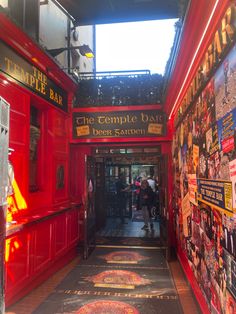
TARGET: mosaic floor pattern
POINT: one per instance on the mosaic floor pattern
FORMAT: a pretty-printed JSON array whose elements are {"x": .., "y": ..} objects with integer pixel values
[{"x": 116, "y": 281}]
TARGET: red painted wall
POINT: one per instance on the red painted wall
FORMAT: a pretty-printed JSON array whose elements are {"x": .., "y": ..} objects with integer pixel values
[
  {"x": 195, "y": 23},
  {"x": 44, "y": 232}
]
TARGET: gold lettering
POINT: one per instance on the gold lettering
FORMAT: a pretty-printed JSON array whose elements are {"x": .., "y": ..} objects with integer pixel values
[
  {"x": 37, "y": 85},
  {"x": 226, "y": 27},
  {"x": 146, "y": 118},
  {"x": 43, "y": 88},
  {"x": 24, "y": 76},
  {"x": 55, "y": 97},
  {"x": 121, "y": 132},
  {"x": 217, "y": 46},
  {"x": 210, "y": 57},
  {"x": 16, "y": 69},
  {"x": 32, "y": 80},
  {"x": 97, "y": 132},
  {"x": 39, "y": 75},
  {"x": 84, "y": 120},
  {"x": 8, "y": 64},
  {"x": 117, "y": 119}
]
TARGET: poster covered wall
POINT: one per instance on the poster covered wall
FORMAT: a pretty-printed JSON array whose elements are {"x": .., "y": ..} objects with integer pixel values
[{"x": 204, "y": 159}]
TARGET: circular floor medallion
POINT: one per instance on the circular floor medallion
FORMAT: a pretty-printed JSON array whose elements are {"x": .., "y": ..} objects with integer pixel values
[{"x": 107, "y": 307}]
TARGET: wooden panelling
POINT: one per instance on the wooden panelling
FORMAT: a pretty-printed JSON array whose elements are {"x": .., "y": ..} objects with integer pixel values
[
  {"x": 17, "y": 261},
  {"x": 60, "y": 234},
  {"x": 43, "y": 244}
]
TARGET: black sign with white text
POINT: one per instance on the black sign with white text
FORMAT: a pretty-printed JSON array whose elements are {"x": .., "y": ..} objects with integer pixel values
[{"x": 139, "y": 123}]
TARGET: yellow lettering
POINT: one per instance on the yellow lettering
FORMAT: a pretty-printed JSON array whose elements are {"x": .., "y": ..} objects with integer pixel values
[
  {"x": 84, "y": 120},
  {"x": 24, "y": 76},
  {"x": 43, "y": 88},
  {"x": 55, "y": 97},
  {"x": 32, "y": 80},
  {"x": 8, "y": 64},
  {"x": 226, "y": 27},
  {"x": 217, "y": 46}
]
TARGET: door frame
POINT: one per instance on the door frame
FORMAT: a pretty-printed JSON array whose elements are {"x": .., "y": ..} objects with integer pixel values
[{"x": 89, "y": 207}]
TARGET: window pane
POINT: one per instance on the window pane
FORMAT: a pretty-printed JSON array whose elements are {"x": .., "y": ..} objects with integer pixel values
[{"x": 34, "y": 148}]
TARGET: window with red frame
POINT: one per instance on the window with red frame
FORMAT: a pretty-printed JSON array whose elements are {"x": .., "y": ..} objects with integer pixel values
[{"x": 34, "y": 149}]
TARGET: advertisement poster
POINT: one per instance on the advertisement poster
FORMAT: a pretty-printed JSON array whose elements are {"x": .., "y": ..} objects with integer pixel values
[
  {"x": 230, "y": 303},
  {"x": 195, "y": 156},
  {"x": 214, "y": 145},
  {"x": 225, "y": 88},
  {"x": 186, "y": 212},
  {"x": 209, "y": 139},
  {"x": 216, "y": 193},
  {"x": 192, "y": 188},
  {"x": 213, "y": 163},
  {"x": 226, "y": 127},
  {"x": 230, "y": 272},
  {"x": 232, "y": 173}
]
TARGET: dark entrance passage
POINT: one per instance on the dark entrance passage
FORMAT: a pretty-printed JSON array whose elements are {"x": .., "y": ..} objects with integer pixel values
[{"x": 134, "y": 164}]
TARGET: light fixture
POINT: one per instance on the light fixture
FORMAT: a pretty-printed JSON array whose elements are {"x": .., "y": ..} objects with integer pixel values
[{"x": 84, "y": 51}]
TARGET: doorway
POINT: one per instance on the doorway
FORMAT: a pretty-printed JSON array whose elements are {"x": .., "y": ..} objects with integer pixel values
[
  {"x": 133, "y": 166},
  {"x": 112, "y": 174}
]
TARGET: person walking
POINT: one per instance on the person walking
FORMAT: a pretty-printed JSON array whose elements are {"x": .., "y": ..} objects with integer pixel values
[
  {"x": 145, "y": 199},
  {"x": 152, "y": 183}
]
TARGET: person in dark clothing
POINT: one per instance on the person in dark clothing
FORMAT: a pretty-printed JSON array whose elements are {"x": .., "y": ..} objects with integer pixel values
[
  {"x": 145, "y": 200},
  {"x": 121, "y": 189}
]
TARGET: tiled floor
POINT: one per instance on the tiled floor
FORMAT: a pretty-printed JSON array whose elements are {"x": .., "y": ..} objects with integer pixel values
[
  {"x": 29, "y": 303},
  {"x": 131, "y": 228}
]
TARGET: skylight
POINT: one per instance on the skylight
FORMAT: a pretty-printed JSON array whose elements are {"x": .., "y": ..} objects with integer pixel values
[{"x": 134, "y": 46}]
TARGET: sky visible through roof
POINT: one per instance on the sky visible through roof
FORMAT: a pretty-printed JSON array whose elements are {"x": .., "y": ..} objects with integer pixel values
[{"x": 134, "y": 45}]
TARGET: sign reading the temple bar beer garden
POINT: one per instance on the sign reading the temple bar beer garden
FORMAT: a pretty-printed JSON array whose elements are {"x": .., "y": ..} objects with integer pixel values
[
  {"x": 31, "y": 77},
  {"x": 140, "y": 123}
]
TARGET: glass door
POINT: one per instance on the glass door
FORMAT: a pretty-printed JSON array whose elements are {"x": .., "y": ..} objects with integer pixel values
[{"x": 112, "y": 173}]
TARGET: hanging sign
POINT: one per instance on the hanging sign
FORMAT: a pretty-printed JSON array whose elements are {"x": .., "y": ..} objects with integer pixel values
[
  {"x": 28, "y": 75},
  {"x": 139, "y": 123}
]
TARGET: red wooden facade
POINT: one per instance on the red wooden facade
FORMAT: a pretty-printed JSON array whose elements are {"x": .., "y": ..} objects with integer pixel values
[
  {"x": 42, "y": 232},
  {"x": 46, "y": 229}
]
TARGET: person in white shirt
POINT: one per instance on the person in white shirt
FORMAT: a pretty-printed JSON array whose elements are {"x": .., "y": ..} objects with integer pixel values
[{"x": 152, "y": 183}]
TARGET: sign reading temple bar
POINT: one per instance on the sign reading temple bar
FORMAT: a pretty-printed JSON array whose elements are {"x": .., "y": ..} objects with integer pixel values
[
  {"x": 27, "y": 74},
  {"x": 140, "y": 123}
]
